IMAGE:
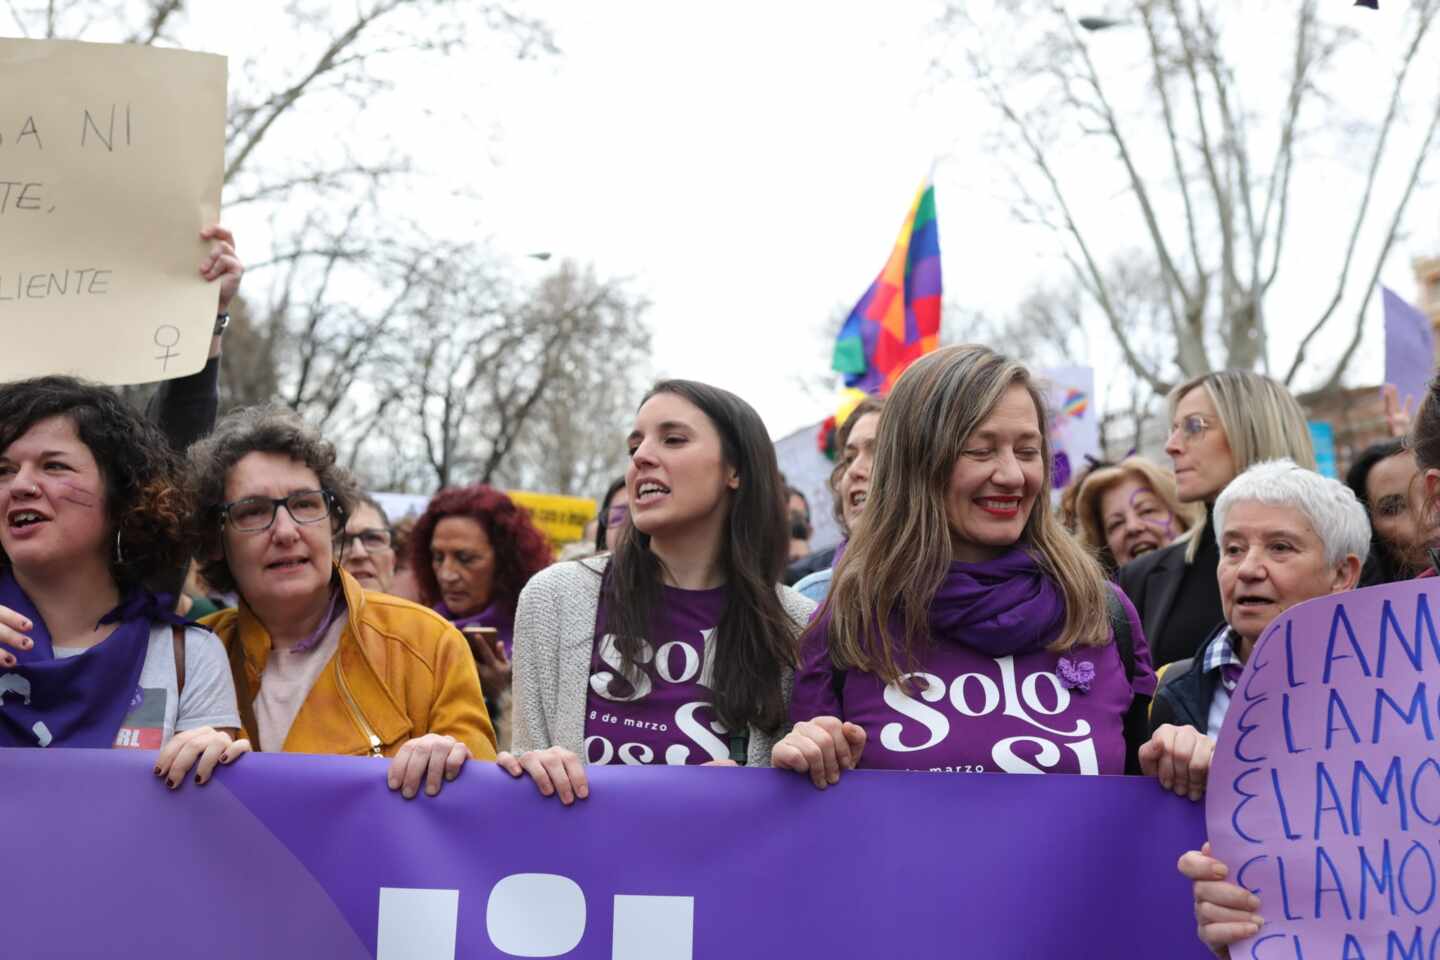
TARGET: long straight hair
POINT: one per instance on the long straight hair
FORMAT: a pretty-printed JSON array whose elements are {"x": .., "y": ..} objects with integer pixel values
[
  {"x": 900, "y": 554},
  {"x": 755, "y": 639}
]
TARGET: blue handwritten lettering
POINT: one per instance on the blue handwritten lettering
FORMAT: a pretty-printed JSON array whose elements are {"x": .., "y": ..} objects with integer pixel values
[
  {"x": 1335, "y": 702},
  {"x": 1428, "y": 874},
  {"x": 1417, "y": 708},
  {"x": 1290, "y": 657},
  {"x": 1289, "y": 731},
  {"x": 1383, "y": 879},
  {"x": 1248, "y": 796},
  {"x": 1393, "y": 776},
  {"x": 1245, "y": 730},
  {"x": 1280, "y": 804},
  {"x": 1331, "y": 657},
  {"x": 1323, "y": 859},
  {"x": 1414, "y": 786},
  {"x": 1325, "y": 785}
]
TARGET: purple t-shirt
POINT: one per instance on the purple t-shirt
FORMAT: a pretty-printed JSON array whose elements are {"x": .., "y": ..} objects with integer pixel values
[
  {"x": 971, "y": 713},
  {"x": 667, "y": 716}
]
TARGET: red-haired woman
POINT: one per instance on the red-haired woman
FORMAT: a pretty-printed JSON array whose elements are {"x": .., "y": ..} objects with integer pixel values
[{"x": 473, "y": 550}]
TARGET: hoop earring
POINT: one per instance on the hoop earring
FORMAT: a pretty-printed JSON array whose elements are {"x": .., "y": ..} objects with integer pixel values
[{"x": 119, "y": 554}]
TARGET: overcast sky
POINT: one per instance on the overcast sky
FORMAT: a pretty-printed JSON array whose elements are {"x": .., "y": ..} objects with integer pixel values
[{"x": 747, "y": 166}]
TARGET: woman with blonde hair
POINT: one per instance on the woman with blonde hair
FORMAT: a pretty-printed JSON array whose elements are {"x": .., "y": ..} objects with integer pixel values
[
  {"x": 966, "y": 630},
  {"x": 1221, "y": 424},
  {"x": 1128, "y": 509}
]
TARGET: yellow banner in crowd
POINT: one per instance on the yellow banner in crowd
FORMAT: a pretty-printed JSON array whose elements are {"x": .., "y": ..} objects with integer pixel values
[{"x": 561, "y": 518}]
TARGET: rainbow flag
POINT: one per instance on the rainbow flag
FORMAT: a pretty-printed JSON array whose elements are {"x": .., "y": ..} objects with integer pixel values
[{"x": 898, "y": 319}]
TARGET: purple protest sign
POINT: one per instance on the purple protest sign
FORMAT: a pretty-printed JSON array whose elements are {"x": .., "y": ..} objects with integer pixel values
[
  {"x": 1409, "y": 347},
  {"x": 1324, "y": 793},
  {"x": 292, "y": 856}
]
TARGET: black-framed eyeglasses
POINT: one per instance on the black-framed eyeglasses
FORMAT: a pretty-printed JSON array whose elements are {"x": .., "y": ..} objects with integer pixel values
[
  {"x": 373, "y": 539},
  {"x": 1192, "y": 427},
  {"x": 254, "y": 514}
]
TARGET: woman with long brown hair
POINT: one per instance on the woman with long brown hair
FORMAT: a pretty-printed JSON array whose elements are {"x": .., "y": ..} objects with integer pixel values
[{"x": 966, "y": 630}]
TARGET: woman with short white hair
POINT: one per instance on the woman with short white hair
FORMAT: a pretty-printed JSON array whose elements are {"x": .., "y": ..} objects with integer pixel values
[{"x": 1286, "y": 535}]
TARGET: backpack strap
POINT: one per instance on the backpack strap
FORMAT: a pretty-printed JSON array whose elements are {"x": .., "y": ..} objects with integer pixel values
[
  {"x": 244, "y": 699},
  {"x": 1120, "y": 626},
  {"x": 177, "y": 634}
]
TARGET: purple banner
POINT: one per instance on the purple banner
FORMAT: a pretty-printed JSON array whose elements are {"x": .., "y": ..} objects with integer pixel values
[
  {"x": 1325, "y": 790},
  {"x": 293, "y": 856}
]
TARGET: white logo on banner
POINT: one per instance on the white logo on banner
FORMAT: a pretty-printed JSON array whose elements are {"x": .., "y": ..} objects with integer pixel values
[{"x": 532, "y": 915}]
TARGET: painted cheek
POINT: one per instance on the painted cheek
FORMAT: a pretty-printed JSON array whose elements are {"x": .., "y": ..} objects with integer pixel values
[{"x": 81, "y": 496}]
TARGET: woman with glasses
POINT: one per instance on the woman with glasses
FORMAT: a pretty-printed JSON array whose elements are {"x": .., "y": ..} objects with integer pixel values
[
  {"x": 90, "y": 514},
  {"x": 320, "y": 664},
  {"x": 1221, "y": 424},
  {"x": 614, "y": 516},
  {"x": 367, "y": 550}
]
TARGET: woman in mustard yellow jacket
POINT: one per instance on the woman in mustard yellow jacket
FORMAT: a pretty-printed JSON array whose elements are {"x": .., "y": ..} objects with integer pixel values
[{"x": 320, "y": 664}]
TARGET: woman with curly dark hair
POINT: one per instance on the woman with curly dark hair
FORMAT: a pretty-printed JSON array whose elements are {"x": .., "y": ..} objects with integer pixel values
[
  {"x": 90, "y": 513},
  {"x": 322, "y": 665},
  {"x": 473, "y": 550}
]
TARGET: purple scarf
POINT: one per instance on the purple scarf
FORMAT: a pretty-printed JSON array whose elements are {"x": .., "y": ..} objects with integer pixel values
[
  {"x": 1000, "y": 607},
  {"x": 78, "y": 701},
  {"x": 492, "y": 616}
]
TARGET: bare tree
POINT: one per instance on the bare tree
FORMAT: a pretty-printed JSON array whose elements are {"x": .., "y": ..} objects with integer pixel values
[
  {"x": 487, "y": 375},
  {"x": 1214, "y": 202}
]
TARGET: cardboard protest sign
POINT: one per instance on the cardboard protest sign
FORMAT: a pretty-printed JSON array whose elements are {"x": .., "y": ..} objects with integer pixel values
[
  {"x": 1324, "y": 794},
  {"x": 111, "y": 163}
]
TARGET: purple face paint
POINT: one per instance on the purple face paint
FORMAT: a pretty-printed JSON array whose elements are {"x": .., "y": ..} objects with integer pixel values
[
  {"x": 78, "y": 495},
  {"x": 1167, "y": 525}
]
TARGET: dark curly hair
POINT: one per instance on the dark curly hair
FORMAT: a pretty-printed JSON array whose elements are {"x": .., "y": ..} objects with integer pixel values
[
  {"x": 521, "y": 550},
  {"x": 144, "y": 499},
  {"x": 270, "y": 428}
]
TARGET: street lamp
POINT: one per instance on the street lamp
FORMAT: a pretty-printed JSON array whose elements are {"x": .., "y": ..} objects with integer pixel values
[{"x": 1094, "y": 24}]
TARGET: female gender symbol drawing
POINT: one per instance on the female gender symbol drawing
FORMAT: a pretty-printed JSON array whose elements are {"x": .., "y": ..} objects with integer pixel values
[{"x": 174, "y": 335}]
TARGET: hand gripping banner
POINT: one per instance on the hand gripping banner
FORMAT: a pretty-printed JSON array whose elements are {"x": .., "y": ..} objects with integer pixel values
[{"x": 296, "y": 856}]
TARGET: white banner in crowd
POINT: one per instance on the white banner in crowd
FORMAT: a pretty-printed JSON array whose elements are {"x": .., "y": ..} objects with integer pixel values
[
  {"x": 111, "y": 161},
  {"x": 1074, "y": 420}
]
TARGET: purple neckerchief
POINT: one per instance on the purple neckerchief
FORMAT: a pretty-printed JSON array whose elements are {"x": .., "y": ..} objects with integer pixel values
[
  {"x": 491, "y": 616},
  {"x": 1000, "y": 607},
  {"x": 78, "y": 701},
  {"x": 332, "y": 613}
]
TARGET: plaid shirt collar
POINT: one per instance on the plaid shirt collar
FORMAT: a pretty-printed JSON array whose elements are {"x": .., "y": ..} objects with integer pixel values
[{"x": 1220, "y": 655}]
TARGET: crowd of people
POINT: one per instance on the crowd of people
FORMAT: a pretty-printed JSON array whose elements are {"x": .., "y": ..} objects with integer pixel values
[{"x": 962, "y": 626}]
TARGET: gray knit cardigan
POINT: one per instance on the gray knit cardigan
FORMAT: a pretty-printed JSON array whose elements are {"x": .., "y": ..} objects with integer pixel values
[{"x": 554, "y": 643}]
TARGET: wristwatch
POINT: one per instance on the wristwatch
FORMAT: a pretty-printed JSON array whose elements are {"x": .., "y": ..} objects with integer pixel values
[{"x": 221, "y": 322}]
